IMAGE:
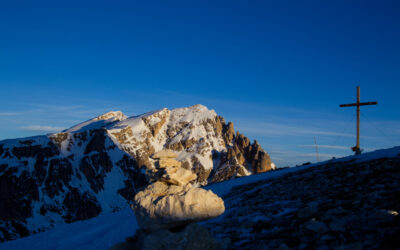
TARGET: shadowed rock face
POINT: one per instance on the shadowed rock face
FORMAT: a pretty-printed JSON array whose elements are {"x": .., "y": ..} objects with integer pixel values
[
  {"x": 38, "y": 180},
  {"x": 102, "y": 163},
  {"x": 193, "y": 237},
  {"x": 241, "y": 155},
  {"x": 80, "y": 206}
]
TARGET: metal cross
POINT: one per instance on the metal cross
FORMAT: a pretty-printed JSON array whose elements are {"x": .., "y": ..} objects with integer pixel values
[{"x": 357, "y": 148}]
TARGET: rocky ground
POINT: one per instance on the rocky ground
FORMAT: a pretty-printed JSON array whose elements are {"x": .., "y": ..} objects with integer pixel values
[{"x": 345, "y": 205}]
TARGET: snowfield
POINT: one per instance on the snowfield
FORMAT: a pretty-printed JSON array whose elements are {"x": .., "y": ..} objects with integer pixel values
[{"x": 101, "y": 232}]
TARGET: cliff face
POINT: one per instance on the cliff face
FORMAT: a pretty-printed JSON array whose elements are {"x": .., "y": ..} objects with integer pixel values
[{"x": 98, "y": 166}]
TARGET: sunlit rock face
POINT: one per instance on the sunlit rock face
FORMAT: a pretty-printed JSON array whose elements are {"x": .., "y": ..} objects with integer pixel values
[
  {"x": 103, "y": 163},
  {"x": 171, "y": 201},
  {"x": 170, "y": 206}
]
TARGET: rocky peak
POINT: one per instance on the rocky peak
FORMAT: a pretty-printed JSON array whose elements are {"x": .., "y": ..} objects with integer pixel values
[
  {"x": 228, "y": 133},
  {"x": 113, "y": 115},
  {"x": 103, "y": 162},
  {"x": 101, "y": 121}
]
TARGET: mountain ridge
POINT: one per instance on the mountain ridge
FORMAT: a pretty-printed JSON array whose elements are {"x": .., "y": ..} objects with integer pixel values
[{"x": 97, "y": 166}]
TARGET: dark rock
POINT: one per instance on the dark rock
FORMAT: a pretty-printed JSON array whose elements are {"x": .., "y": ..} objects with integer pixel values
[
  {"x": 128, "y": 191},
  {"x": 95, "y": 178},
  {"x": 20, "y": 229},
  {"x": 34, "y": 151},
  {"x": 40, "y": 171},
  {"x": 188, "y": 143},
  {"x": 81, "y": 137},
  {"x": 242, "y": 141},
  {"x": 186, "y": 165},
  {"x": 391, "y": 241},
  {"x": 97, "y": 143},
  {"x": 80, "y": 206},
  {"x": 175, "y": 146},
  {"x": 202, "y": 174},
  {"x": 59, "y": 138},
  {"x": 45, "y": 208},
  {"x": 58, "y": 176},
  {"x": 131, "y": 168},
  {"x": 17, "y": 194},
  {"x": 27, "y": 142},
  {"x": 192, "y": 236},
  {"x": 101, "y": 162},
  {"x": 226, "y": 172},
  {"x": 263, "y": 163},
  {"x": 7, "y": 154},
  {"x": 3, "y": 167}
]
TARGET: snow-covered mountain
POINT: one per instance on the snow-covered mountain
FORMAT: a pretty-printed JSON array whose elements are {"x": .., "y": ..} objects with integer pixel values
[
  {"x": 98, "y": 165},
  {"x": 347, "y": 203}
]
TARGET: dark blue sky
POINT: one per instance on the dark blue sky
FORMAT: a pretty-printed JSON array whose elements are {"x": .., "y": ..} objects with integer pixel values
[{"x": 277, "y": 69}]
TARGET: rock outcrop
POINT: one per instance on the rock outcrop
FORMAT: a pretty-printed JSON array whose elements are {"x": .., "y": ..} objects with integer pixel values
[
  {"x": 171, "y": 201},
  {"x": 167, "y": 209},
  {"x": 164, "y": 154},
  {"x": 163, "y": 206}
]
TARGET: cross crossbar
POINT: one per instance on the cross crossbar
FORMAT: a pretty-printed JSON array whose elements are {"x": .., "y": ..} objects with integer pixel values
[{"x": 358, "y": 104}]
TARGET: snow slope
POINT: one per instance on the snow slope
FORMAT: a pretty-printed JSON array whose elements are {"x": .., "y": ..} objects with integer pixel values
[
  {"x": 106, "y": 230},
  {"x": 223, "y": 188},
  {"x": 101, "y": 232}
]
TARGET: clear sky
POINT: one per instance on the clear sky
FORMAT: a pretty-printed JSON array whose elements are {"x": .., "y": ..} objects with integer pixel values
[{"x": 277, "y": 69}]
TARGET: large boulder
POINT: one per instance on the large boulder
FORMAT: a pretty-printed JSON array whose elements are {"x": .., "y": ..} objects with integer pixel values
[{"x": 162, "y": 206}]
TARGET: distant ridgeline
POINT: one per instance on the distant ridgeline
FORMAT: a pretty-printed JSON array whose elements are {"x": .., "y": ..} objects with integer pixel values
[{"x": 98, "y": 165}]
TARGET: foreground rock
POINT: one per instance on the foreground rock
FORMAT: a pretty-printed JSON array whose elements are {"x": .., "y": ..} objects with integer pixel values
[
  {"x": 162, "y": 206},
  {"x": 191, "y": 237},
  {"x": 167, "y": 209},
  {"x": 171, "y": 201}
]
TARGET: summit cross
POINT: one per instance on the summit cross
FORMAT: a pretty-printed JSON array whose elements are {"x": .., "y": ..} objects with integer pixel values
[{"x": 357, "y": 148}]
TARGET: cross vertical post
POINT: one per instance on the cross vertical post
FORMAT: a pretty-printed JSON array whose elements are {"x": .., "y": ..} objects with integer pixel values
[
  {"x": 358, "y": 119},
  {"x": 356, "y": 149}
]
